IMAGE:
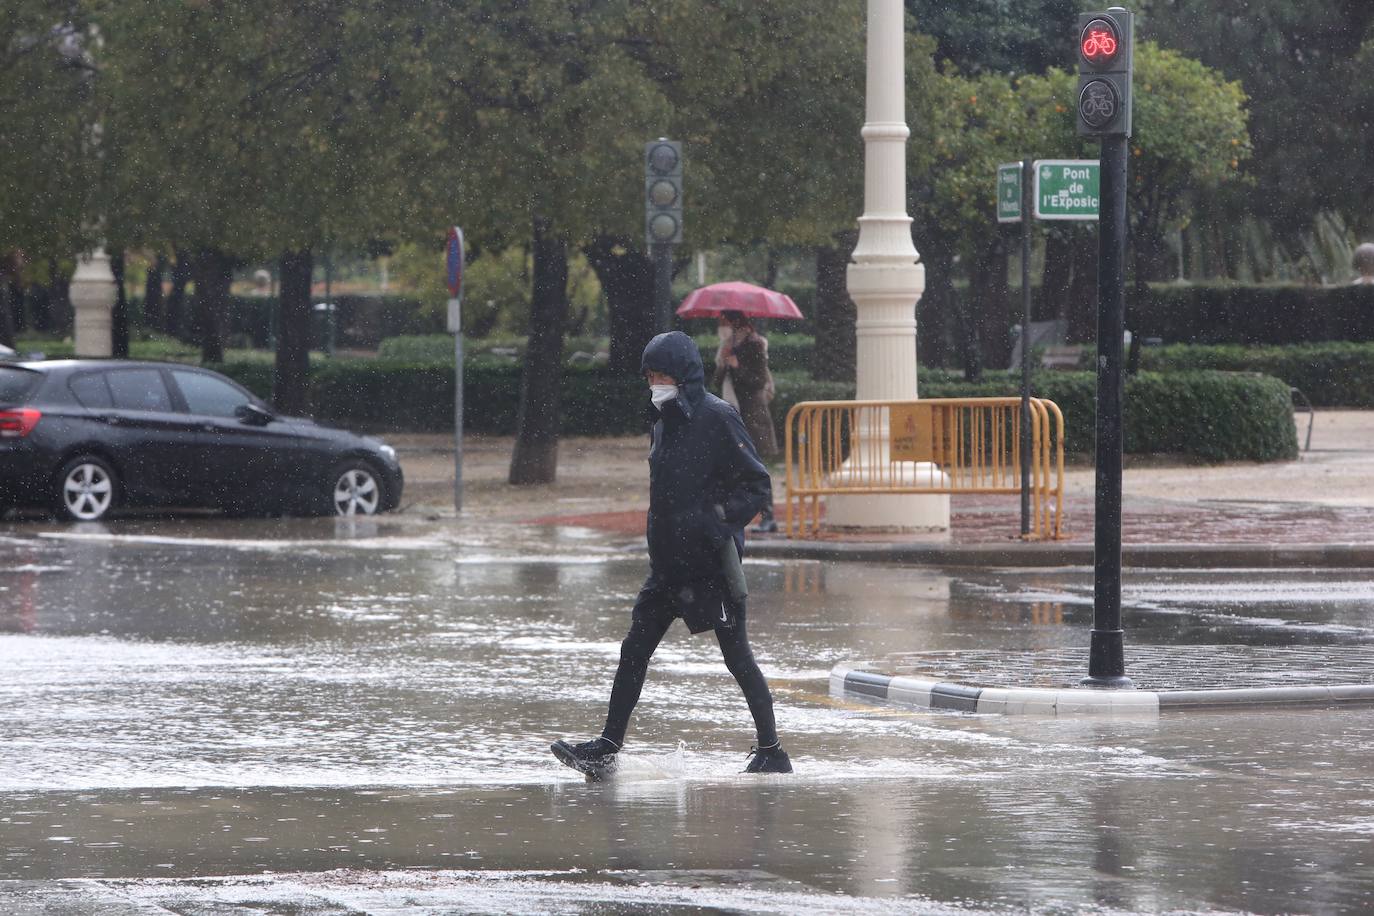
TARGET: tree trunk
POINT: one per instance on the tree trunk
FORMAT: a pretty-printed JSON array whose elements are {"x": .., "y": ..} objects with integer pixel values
[
  {"x": 938, "y": 326},
  {"x": 38, "y": 300},
  {"x": 175, "y": 315},
  {"x": 213, "y": 273},
  {"x": 626, "y": 275},
  {"x": 989, "y": 305},
  {"x": 770, "y": 268},
  {"x": 119, "y": 317},
  {"x": 577, "y": 324},
  {"x": 152, "y": 294},
  {"x": 535, "y": 458},
  {"x": 835, "y": 350},
  {"x": 1082, "y": 302},
  {"x": 1054, "y": 281},
  {"x": 59, "y": 298},
  {"x": 11, "y": 306},
  {"x": 7, "y": 323},
  {"x": 291, "y": 375}
]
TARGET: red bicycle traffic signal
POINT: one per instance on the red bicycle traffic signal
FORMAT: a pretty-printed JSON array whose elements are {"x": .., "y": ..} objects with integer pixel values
[
  {"x": 1104, "y": 73},
  {"x": 1098, "y": 43}
]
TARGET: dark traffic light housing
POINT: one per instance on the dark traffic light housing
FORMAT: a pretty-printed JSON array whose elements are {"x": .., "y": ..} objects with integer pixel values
[
  {"x": 663, "y": 192},
  {"x": 1105, "y": 64}
]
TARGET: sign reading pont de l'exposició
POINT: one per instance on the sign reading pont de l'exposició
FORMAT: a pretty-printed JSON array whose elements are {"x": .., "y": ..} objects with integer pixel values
[{"x": 1067, "y": 188}]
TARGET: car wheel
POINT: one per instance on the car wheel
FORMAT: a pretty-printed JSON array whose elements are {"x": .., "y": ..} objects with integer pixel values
[
  {"x": 355, "y": 489},
  {"x": 86, "y": 489}
]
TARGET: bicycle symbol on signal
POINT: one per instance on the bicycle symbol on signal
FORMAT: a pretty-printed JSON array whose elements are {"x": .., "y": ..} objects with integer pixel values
[
  {"x": 1098, "y": 103},
  {"x": 1099, "y": 43}
]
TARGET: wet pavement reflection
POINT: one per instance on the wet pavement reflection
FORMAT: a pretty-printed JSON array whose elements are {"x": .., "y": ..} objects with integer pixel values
[{"x": 332, "y": 702}]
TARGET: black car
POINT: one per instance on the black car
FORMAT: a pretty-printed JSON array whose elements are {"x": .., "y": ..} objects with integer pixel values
[{"x": 83, "y": 437}]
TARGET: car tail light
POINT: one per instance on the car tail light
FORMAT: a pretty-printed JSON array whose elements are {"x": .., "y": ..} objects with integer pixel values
[{"x": 16, "y": 424}]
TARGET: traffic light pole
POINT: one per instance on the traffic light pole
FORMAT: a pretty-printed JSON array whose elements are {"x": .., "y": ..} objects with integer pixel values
[
  {"x": 663, "y": 286},
  {"x": 1106, "y": 654}
]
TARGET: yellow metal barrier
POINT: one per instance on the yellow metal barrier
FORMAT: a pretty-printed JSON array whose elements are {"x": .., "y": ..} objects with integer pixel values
[{"x": 868, "y": 448}]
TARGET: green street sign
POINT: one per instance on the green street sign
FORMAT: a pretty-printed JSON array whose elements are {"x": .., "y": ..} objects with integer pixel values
[
  {"x": 1066, "y": 188},
  {"x": 1009, "y": 192}
]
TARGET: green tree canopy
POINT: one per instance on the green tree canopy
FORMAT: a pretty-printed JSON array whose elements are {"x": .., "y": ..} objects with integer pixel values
[
  {"x": 47, "y": 136},
  {"x": 1300, "y": 63},
  {"x": 999, "y": 36}
]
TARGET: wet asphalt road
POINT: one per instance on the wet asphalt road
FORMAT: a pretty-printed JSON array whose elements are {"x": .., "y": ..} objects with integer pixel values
[{"x": 204, "y": 716}]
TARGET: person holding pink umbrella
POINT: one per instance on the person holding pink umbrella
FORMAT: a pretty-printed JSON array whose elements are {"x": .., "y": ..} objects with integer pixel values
[
  {"x": 742, "y": 362},
  {"x": 742, "y": 371}
]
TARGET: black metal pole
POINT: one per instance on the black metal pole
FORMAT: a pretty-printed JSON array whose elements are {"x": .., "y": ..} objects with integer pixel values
[
  {"x": 1106, "y": 654},
  {"x": 1027, "y": 177},
  {"x": 663, "y": 287}
]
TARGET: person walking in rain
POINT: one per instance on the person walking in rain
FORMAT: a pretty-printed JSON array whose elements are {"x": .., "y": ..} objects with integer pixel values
[
  {"x": 706, "y": 483},
  {"x": 744, "y": 380}
]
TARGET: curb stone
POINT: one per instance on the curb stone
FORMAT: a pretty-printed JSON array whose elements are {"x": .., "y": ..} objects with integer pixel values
[{"x": 928, "y": 694}]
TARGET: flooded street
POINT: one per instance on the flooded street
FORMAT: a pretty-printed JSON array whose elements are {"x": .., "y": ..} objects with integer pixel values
[{"x": 363, "y": 710}]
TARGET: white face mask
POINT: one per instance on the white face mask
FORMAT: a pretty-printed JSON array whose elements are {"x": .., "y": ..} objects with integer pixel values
[
  {"x": 662, "y": 394},
  {"x": 724, "y": 332}
]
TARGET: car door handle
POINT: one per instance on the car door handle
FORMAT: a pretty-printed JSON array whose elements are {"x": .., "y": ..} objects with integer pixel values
[
  {"x": 113, "y": 420},
  {"x": 209, "y": 428}
]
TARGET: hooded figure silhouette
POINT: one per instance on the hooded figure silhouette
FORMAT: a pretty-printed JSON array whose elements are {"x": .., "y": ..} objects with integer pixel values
[{"x": 706, "y": 483}]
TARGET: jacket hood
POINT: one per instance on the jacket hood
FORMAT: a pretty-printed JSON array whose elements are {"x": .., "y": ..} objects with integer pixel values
[{"x": 676, "y": 354}]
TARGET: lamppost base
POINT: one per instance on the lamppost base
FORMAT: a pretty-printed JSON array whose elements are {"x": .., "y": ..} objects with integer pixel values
[
  {"x": 1119, "y": 682},
  {"x": 1107, "y": 660}
]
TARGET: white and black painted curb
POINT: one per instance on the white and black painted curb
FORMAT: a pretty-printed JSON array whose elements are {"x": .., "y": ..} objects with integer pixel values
[{"x": 1035, "y": 701}]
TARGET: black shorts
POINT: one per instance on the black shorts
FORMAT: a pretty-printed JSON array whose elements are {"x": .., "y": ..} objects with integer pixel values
[{"x": 702, "y": 605}]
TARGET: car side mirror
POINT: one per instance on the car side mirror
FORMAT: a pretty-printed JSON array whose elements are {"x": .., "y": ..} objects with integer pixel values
[{"x": 254, "y": 415}]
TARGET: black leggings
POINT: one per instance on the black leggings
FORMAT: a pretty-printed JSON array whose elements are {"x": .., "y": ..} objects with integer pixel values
[{"x": 640, "y": 644}]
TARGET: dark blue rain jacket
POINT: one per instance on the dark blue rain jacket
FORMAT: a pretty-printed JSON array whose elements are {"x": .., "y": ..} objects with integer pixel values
[{"x": 706, "y": 481}]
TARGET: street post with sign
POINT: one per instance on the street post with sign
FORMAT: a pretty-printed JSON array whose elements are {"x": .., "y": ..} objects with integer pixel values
[
  {"x": 662, "y": 220},
  {"x": 1013, "y": 183},
  {"x": 1058, "y": 189},
  {"x": 453, "y": 264},
  {"x": 1027, "y": 172},
  {"x": 1105, "y": 48}
]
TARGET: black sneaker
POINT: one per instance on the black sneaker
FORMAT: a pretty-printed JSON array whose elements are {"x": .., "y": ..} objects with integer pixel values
[
  {"x": 594, "y": 758},
  {"x": 768, "y": 760}
]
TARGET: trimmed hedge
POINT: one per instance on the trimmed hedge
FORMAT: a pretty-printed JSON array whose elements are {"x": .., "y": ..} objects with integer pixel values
[
  {"x": 1216, "y": 416},
  {"x": 438, "y": 348},
  {"x": 419, "y": 396},
  {"x": 1329, "y": 374},
  {"x": 1225, "y": 313},
  {"x": 363, "y": 321},
  {"x": 786, "y": 352}
]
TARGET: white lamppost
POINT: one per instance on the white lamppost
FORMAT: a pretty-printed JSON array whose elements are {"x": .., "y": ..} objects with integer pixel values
[
  {"x": 885, "y": 281},
  {"x": 93, "y": 298}
]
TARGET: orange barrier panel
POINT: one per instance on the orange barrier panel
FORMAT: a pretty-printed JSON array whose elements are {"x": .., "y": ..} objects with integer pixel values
[{"x": 881, "y": 447}]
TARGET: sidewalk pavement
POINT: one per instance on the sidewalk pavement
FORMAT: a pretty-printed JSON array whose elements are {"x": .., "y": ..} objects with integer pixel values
[{"x": 1316, "y": 511}]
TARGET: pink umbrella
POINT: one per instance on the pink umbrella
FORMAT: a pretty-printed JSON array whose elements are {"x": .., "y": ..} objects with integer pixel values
[{"x": 751, "y": 300}]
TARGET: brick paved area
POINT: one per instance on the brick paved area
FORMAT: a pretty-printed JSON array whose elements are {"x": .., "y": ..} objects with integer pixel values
[
  {"x": 996, "y": 520},
  {"x": 981, "y": 519},
  {"x": 1149, "y": 667}
]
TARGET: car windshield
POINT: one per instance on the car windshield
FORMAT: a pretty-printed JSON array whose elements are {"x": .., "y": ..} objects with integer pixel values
[{"x": 15, "y": 384}]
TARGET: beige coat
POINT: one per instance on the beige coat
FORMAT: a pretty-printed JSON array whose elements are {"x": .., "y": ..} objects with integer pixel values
[{"x": 753, "y": 388}]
